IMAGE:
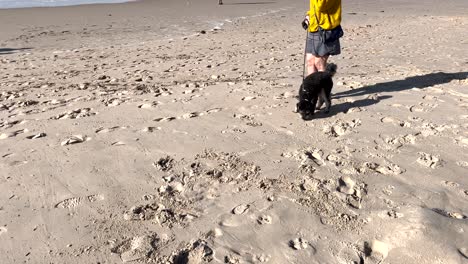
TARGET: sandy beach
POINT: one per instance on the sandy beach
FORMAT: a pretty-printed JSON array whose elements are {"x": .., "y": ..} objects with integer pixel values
[{"x": 165, "y": 132}]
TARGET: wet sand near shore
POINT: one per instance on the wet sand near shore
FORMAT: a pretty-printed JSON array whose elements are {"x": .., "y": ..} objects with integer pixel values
[{"x": 124, "y": 140}]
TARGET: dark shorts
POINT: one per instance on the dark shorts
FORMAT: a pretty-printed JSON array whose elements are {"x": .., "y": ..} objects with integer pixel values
[{"x": 318, "y": 48}]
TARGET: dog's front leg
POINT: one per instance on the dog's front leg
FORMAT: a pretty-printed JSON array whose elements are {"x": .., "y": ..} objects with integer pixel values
[
  {"x": 313, "y": 105},
  {"x": 319, "y": 103}
]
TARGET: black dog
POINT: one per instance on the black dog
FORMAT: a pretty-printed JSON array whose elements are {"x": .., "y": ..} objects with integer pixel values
[{"x": 315, "y": 90}]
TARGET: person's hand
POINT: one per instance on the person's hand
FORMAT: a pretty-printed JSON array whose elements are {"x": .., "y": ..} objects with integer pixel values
[{"x": 305, "y": 23}]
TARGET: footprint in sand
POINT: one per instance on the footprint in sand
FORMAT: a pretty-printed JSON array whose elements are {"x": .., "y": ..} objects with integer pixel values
[
  {"x": 450, "y": 184},
  {"x": 75, "y": 140},
  {"x": 455, "y": 186},
  {"x": 463, "y": 164},
  {"x": 428, "y": 160},
  {"x": 399, "y": 141},
  {"x": 113, "y": 102},
  {"x": 197, "y": 252},
  {"x": 455, "y": 215},
  {"x": 231, "y": 259},
  {"x": 462, "y": 141},
  {"x": 36, "y": 136},
  {"x": 13, "y": 134},
  {"x": 264, "y": 220},
  {"x": 56, "y": 102},
  {"x": 229, "y": 222},
  {"x": 150, "y": 129},
  {"x": 422, "y": 108},
  {"x": 137, "y": 248},
  {"x": 235, "y": 130},
  {"x": 156, "y": 212},
  {"x": 149, "y": 105},
  {"x": 389, "y": 169},
  {"x": 249, "y": 119},
  {"x": 75, "y": 114},
  {"x": 213, "y": 110},
  {"x": 188, "y": 115},
  {"x": 431, "y": 129},
  {"x": 354, "y": 109},
  {"x": 26, "y": 103},
  {"x": 307, "y": 156},
  {"x": 76, "y": 201},
  {"x": 165, "y": 119},
  {"x": 248, "y": 98},
  {"x": 9, "y": 124},
  {"x": 299, "y": 243},
  {"x": 164, "y": 164},
  {"x": 262, "y": 258},
  {"x": 191, "y": 91},
  {"x": 394, "y": 121},
  {"x": 349, "y": 254},
  {"x": 394, "y": 214},
  {"x": 240, "y": 209},
  {"x": 106, "y": 130},
  {"x": 340, "y": 127}
]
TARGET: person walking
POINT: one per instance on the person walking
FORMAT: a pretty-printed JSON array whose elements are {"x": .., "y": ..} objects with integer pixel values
[{"x": 323, "y": 23}]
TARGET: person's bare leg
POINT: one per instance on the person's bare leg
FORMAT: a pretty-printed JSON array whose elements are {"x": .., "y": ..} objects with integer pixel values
[
  {"x": 315, "y": 64},
  {"x": 321, "y": 63},
  {"x": 310, "y": 63}
]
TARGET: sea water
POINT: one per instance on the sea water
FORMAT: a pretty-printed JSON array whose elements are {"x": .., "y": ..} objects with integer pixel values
[{"x": 49, "y": 3}]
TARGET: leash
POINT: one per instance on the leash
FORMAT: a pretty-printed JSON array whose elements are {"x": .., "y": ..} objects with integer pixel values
[{"x": 305, "y": 56}]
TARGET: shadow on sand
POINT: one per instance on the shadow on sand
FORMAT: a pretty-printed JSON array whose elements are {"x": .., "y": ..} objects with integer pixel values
[
  {"x": 421, "y": 81},
  {"x": 4, "y": 51}
]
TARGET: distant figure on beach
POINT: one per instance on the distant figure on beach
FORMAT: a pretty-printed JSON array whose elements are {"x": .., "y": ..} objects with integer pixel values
[
  {"x": 220, "y": 2},
  {"x": 322, "y": 22}
]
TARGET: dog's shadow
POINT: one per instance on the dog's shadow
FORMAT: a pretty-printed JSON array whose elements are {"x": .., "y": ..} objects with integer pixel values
[
  {"x": 5, "y": 51},
  {"x": 420, "y": 81},
  {"x": 347, "y": 106}
]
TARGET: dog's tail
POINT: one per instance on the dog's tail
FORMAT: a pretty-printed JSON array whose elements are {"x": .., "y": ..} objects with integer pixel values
[{"x": 331, "y": 68}]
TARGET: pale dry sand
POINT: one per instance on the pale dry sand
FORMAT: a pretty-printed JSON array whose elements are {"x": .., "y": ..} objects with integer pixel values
[{"x": 131, "y": 142}]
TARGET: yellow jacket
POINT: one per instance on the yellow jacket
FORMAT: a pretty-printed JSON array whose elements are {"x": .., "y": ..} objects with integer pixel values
[{"x": 327, "y": 12}]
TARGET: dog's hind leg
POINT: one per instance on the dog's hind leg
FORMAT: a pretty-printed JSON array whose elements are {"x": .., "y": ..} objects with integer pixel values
[
  {"x": 327, "y": 100},
  {"x": 321, "y": 99}
]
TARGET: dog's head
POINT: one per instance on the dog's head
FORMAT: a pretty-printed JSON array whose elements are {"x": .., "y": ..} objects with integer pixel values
[
  {"x": 331, "y": 68},
  {"x": 306, "y": 109}
]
